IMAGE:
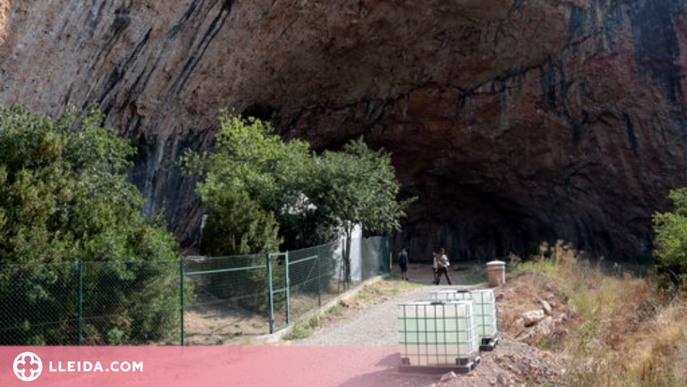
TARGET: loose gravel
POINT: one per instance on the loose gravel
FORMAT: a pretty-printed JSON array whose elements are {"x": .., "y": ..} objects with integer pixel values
[{"x": 373, "y": 325}]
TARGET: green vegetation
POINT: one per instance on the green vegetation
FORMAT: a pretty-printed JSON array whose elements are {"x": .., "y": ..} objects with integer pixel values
[
  {"x": 337, "y": 309},
  {"x": 305, "y": 329},
  {"x": 256, "y": 166},
  {"x": 309, "y": 196},
  {"x": 671, "y": 242},
  {"x": 299, "y": 331},
  {"x": 261, "y": 191},
  {"x": 64, "y": 199},
  {"x": 620, "y": 330},
  {"x": 356, "y": 186},
  {"x": 238, "y": 225}
]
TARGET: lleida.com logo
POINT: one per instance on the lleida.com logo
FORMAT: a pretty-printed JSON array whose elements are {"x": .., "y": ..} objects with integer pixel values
[{"x": 28, "y": 366}]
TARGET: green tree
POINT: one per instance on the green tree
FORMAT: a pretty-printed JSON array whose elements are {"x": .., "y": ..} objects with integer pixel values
[
  {"x": 238, "y": 225},
  {"x": 312, "y": 197},
  {"x": 64, "y": 199},
  {"x": 671, "y": 241},
  {"x": 259, "y": 172},
  {"x": 355, "y": 186}
]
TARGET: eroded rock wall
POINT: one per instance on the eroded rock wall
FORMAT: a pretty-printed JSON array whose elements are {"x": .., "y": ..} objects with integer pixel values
[{"x": 513, "y": 121}]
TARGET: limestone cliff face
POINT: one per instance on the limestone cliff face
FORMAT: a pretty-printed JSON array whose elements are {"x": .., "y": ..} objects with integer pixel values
[{"x": 512, "y": 120}]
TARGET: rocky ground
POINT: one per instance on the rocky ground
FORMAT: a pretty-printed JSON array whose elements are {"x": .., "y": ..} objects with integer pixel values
[{"x": 514, "y": 362}]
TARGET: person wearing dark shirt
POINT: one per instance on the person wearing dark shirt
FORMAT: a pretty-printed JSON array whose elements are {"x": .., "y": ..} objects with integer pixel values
[{"x": 403, "y": 262}]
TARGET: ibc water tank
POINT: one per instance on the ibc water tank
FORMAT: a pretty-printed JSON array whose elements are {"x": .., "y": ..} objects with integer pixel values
[
  {"x": 484, "y": 304},
  {"x": 437, "y": 332}
]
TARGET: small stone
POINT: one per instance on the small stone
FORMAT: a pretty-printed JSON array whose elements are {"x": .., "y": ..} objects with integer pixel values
[
  {"x": 545, "y": 327},
  {"x": 446, "y": 377},
  {"x": 520, "y": 323},
  {"x": 546, "y": 306},
  {"x": 533, "y": 317}
]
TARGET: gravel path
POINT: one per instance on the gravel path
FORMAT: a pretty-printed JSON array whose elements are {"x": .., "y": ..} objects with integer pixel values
[{"x": 374, "y": 325}]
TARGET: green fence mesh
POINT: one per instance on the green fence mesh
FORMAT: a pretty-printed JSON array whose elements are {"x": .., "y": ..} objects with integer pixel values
[
  {"x": 376, "y": 252},
  {"x": 314, "y": 277},
  {"x": 39, "y": 304},
  {"x": 197, "y": 300},
  {"x": 90, "y": 303},
  {"x": 228, "y": 298}
]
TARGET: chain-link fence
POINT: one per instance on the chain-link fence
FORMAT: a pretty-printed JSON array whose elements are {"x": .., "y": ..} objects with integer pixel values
[
  {"x": 90, "y": 303},
  {"x": 195, "y": 300}
]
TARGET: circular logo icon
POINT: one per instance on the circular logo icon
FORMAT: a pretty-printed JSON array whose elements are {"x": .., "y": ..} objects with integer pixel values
[{"x": 27, "y": 366}]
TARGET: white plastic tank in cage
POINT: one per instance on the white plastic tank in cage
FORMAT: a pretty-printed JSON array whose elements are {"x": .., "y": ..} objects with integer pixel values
[
  {"x": 437, "y": 333},
  {"x": 484, "y": 308}
]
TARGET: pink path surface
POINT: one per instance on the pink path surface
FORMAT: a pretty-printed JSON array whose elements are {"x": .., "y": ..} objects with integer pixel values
[{"x": 257, "y": 366}]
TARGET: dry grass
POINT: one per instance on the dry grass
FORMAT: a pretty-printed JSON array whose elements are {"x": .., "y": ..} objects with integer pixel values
[
  {"x": 377, "y": 292},
  {"x": 621, "y": 332}
]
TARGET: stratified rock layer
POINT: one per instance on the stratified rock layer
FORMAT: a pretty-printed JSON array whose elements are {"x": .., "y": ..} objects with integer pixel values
[{"x": 513, "y": 121}]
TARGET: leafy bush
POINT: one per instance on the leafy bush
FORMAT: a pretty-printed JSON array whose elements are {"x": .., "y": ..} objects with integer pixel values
[
  {"x": 235, "y": 280},
  {"x": 237, "y": 225},
  {"x": 254, "y": 174},
  {"x": 64, "y": 199},
  {"x": 311, "y": 197},
  {"x": 252, "y": 171},
  {"x": 671, "y": 242}
]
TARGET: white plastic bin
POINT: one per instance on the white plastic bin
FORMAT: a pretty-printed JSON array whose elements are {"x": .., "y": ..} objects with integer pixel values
[
  {"x": 496, "y": 273},
  {"x": 437, "y": 332},
  {"x": 484, "y": 308}
]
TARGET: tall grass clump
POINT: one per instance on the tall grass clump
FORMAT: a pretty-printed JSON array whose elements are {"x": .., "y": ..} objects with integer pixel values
[{"x": 622, "y": 330}]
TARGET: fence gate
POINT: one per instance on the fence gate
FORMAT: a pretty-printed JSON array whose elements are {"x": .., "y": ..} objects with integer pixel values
[{"x": 278, "y": 290}]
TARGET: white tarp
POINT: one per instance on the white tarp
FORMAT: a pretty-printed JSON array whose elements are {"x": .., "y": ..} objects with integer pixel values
[{"x": 356, "y": 254}]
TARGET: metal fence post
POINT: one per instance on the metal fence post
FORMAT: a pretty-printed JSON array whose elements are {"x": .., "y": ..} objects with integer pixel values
[
  {"x": 288, "y": 288},
  {"x": 270, "y": 299},
  {"x": 181, "y": 297},
  {"x": 319, "y": 277},
  {"x": 80, "y": 268}
]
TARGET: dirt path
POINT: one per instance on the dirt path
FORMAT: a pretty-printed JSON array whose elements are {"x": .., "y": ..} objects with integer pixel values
[{"x": 374, "y": 325}]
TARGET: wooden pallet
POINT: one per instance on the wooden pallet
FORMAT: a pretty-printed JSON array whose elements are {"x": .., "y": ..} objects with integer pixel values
[
  {"x": 489, "y": 344},
  {"x": 462, "y": 366}
]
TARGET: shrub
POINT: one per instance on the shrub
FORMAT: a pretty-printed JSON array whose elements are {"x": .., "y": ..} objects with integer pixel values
[
  {"x": 311, "y": 197},
  {"x": 671, "y": 242},
  {"x": 68, "y": 216},
  {"x": 237, "y": 225}
]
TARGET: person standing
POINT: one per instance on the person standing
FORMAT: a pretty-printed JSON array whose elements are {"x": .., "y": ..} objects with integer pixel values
[
  {"x": 435, "y": 267},
  {"x": 443, "y": 266},
  {"x": 403, "y": 262}
]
